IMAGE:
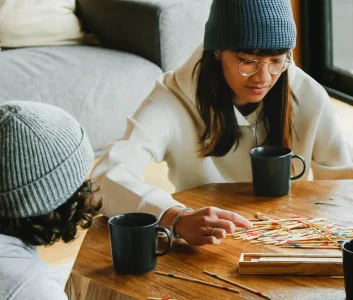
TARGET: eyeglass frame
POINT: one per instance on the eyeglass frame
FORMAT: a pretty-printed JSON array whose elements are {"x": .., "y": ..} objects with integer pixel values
[{"x": 260, "y": 63}]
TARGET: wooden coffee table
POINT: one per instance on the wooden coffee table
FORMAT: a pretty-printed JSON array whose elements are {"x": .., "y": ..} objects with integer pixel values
[{"x": 93, "y": 276}]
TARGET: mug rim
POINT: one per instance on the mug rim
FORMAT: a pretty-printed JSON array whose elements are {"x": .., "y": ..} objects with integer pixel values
[
  {"x": 133, "y": 213},
  {"x": 271, "y": 157},
  {"x": 345, "y": 249}
]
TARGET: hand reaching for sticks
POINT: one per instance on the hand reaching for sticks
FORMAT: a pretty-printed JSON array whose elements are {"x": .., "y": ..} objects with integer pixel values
[{"x": 207, "y": 225}]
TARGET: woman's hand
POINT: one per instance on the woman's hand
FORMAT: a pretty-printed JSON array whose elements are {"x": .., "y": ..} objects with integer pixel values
[{"x": 198, "y": 227}]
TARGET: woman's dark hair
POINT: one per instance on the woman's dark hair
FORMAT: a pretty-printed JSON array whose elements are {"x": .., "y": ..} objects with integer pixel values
[
  {"x": 61, "y": 223},
  {"x": 215, "y": 105}
]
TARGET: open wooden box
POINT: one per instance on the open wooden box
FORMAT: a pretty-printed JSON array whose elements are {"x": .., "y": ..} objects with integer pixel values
[{"x": 290, "y": 264}]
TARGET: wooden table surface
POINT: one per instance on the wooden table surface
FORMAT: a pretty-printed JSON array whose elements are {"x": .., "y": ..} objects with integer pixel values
[{"x": 93, "y": 276}]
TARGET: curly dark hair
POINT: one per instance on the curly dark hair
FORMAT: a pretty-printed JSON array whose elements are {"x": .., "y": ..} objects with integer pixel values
[{"x": 61, "y": 223}]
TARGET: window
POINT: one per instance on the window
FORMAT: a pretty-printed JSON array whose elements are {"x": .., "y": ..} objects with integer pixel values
[{"x": 327, "y": 33}]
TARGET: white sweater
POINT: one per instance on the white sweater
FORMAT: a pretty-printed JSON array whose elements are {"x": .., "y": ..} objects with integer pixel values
[{"x": 167, "y": 127}]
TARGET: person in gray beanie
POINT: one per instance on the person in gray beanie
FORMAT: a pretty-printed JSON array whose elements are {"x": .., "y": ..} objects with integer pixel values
[
  {"x": 44, "y": 194},
  {"x": 238, "y": 90}
]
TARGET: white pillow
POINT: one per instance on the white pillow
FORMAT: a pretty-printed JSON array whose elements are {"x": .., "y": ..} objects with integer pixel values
[{"x": 39, "y": 23}]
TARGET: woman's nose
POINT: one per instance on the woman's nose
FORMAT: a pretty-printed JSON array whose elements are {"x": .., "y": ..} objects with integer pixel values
[{"x": 263, "y": 74}]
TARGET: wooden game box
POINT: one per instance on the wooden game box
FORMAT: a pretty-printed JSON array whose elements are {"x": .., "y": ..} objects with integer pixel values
[{"x": 290, "y": 264}]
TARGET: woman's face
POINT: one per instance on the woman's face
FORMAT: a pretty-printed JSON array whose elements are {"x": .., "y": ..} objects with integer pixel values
[{"x": 248, "y": 89}]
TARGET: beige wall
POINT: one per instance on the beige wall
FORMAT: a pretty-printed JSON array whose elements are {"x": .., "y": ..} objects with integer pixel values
[{"x": 296, "y": 12}]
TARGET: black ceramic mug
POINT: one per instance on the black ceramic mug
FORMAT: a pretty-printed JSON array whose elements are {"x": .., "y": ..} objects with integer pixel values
[
  {"x": 134, "y": 240},
  {"x": 347, "y": 249},
  {"x": 271, "y": 170}
]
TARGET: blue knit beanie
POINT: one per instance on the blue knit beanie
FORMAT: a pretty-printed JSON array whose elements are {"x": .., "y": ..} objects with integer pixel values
[
  {"x": 45, "y": 158},
  {"x": 250, "y": 24}
]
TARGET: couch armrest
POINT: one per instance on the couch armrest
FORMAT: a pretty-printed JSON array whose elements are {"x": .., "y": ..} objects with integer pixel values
[{"x": 162, "y": 31}]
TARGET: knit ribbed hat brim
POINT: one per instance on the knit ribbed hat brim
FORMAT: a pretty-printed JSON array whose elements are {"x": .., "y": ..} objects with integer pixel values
[
  {"x": 250, "y": 24},
  {"x": 49, "y": 192},
  {"x": 45, "y": 157}
]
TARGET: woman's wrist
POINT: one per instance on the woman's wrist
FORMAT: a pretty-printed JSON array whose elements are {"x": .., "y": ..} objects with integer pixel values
[
  {"x": 169, "y": 215},
  {"x": 172, "y": 228}
]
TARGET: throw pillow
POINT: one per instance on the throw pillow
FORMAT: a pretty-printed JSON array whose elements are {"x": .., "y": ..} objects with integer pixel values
[{"x": 26, "y": 23}]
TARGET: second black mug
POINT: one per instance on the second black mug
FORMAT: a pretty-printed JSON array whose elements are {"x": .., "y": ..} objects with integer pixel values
[
  {"x": 134, "y": 240},
  {"x": 347, "y": 249},
  {"x": 271, "y": 170}
]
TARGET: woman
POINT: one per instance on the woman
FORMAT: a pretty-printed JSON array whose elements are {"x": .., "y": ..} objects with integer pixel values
[{"x": 239, "y": 90}]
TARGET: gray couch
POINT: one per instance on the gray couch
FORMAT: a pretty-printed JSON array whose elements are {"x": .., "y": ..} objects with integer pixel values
[{"x": 100, "y": 86}]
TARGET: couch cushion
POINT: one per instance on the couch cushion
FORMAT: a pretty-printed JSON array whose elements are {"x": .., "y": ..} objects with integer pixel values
[
  {"x": 39, "y": 22},
  {"x": 165, "y": 32},
  {"x": 98, "y": 86}
]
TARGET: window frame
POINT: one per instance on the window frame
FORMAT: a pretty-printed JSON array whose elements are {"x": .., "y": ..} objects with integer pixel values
[{"x": 315, "y": 25}]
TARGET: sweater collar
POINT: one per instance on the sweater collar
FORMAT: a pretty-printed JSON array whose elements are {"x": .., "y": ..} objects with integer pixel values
[{"x": 249, "y": 120}]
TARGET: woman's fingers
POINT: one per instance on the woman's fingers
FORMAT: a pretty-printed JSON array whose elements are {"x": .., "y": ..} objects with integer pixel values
[
  {"x": 209, "y": 225},
  {"x": 228, "y": 226},
  {"x": 235, "y": 218},
  {"x": 219, "y": 233},
  {"x": 215, "y": 236}
]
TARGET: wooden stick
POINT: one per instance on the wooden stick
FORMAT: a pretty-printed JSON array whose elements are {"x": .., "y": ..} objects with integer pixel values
[
  {"x": 337, "y": 277},
  {"x": 330, "y": 232},
  {"x": 311, "y": 247},
  {"x": 244, "y": 231},
  {"x": 313, "y": 241},
  {"x": 293, "y": 240},
  {"x": 318, "y": 231},
  {"x": 239, "y": 285},
  {"x": 312, "y": 244},
  {"x": 290, "y": 238},
  {"x": 281, "y": 231},
  {"x": 260, "y": 235},
  {"x": 153, "y": 298},
  {"x": 198, "y": 281},
  {"x": 268, "y": 219},
  {"x": 274, "y": 222},
  {"x": 283, "y": 236}
]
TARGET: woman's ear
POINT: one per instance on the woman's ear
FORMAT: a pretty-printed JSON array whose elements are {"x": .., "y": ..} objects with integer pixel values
[{"x": 217, "y": 55}]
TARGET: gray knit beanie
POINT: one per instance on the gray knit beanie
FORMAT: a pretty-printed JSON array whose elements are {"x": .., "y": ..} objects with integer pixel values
[
  {"x": 45, "y": 157},
  {"x": 250, "y": 24}
]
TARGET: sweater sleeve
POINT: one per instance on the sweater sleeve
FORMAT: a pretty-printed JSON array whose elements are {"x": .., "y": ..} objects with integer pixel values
[
  {"x": 120, "y": 171},
  {"x": 46, "y": 286},
  {"x": 332, "y": 156}
]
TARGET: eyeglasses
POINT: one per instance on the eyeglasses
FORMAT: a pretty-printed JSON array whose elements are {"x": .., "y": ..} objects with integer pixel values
[{"x": 275, "y": 67}]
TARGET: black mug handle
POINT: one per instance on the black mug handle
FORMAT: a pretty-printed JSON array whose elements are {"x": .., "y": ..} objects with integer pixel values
[
  {"x": 166, "y": 231},
  {"x": 304, "y": 167}
]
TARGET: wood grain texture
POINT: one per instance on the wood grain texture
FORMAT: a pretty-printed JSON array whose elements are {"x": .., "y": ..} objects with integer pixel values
[{"x": 93, "y": 276}]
